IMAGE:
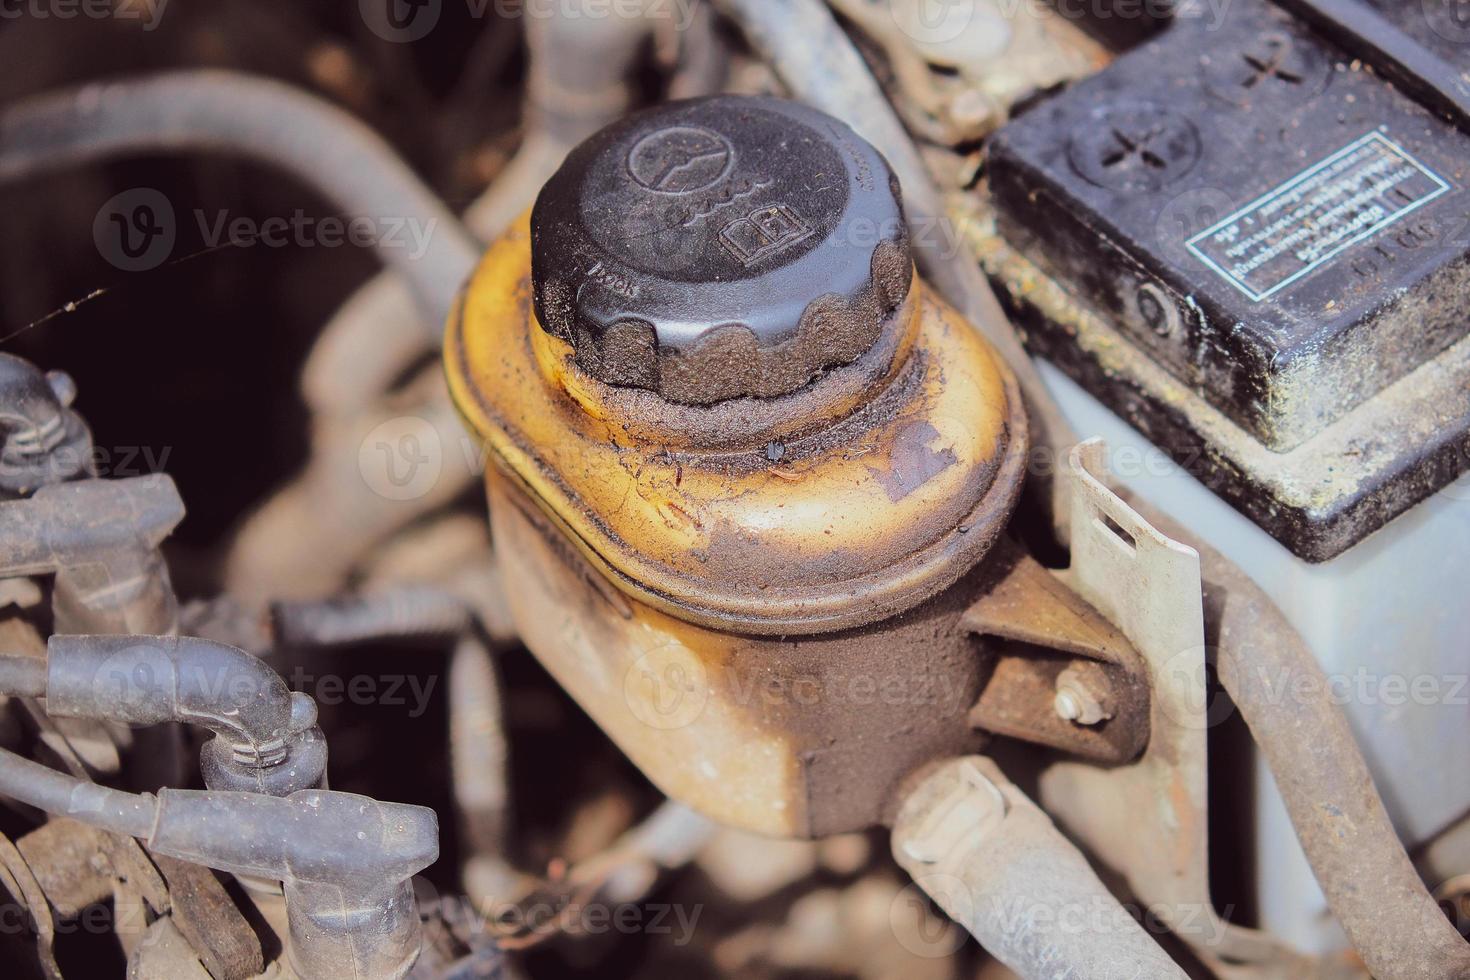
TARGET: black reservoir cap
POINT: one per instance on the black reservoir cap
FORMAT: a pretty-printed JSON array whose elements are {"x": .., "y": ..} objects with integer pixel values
[{"x": 721, "y": 247}]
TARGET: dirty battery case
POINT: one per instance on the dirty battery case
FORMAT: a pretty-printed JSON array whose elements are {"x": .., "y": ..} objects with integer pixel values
[{"x": 1253, "y": 246}]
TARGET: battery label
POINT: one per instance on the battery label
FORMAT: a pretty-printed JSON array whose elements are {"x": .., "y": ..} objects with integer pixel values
[{"x": 1299, "y": 227}]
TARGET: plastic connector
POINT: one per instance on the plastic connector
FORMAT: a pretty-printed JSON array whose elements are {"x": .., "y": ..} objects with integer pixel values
[
  {"x": 100, "y": 539},
  {"x": 144, "y": 680},
  {"x": 42, "y": 441},
  {"x": 345, "y": 861}
]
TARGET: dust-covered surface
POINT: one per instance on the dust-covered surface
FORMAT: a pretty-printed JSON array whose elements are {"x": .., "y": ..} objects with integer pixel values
[
  {"x": 1317, "y": 499},
  {"x": 1286, "y": 241}
]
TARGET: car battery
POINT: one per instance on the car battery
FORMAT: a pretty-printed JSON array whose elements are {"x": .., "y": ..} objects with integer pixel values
[{"x": 1253, "y": 245}]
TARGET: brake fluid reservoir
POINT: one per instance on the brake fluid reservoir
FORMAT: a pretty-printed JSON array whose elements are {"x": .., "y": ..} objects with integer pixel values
[{"x": 743, "y": 461}]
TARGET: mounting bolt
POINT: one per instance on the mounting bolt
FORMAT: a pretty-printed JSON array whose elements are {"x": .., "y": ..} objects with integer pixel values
[
  {"x": 1157, "y": 310},
  {"x": 1077, "y": 701}
]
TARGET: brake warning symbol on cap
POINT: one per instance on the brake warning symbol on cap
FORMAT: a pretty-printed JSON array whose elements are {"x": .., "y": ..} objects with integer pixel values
[{"x": 680, "y": 159}]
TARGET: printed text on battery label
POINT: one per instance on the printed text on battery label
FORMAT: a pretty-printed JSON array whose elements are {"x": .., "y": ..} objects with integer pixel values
[{"x": 1302, "y": 225}]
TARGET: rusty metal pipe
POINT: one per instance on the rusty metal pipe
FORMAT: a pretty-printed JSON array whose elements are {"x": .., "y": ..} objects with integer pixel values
[
  {"x": 1357, "y": 857},
  {"x": 1360, "y": 863},
  {"x": 997, "y": 865}
]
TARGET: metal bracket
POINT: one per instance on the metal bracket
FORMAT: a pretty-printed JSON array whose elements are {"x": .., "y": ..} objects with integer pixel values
[
  {"x": 1043, "y": 640},
  {"x": 1148, "y": 820}
]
